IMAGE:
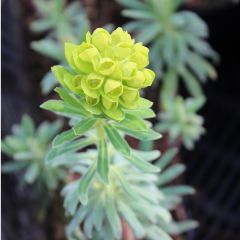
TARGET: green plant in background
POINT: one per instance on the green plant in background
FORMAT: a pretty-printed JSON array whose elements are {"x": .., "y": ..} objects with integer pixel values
[
  {"x": 179, "y": 51},
  {"x": 63, "y": 22},
  {"x": 100, "y": 94},
  {"x": 177, "y": 42},
  {"x": 124, "y": 198},
  {"x": 27, "y": 146},
  {"x": 180, "y": 120}
]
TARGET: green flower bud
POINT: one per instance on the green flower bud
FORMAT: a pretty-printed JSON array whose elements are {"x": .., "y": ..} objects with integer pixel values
[
  {"x": 113, "y": 88},
  {"x": 108, "y": 70}
]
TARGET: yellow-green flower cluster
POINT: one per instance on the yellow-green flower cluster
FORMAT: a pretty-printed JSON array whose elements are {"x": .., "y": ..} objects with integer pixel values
[{"x": 108, "y": 70}]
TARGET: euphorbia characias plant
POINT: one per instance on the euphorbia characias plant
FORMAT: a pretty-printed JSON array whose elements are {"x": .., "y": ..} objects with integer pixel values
[{"x": 100, "y": 93}]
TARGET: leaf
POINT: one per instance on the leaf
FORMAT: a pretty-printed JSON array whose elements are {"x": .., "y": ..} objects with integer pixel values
[
  {"x": 48, "y": 82},
  {"x": 84, "y": 126},
  {"x": 170, "y": 83},
  {"x": 68, "y": 147},
  {"x": 141, "y": 135},
  {"x": 28, "y": 125},
  {"x": 71, "y": 99},
  {"x": 178, "y": 190},
  {"x": 84, "y": 185},
  {"x": 139, "y": 14},
  {"x": 77, "y": 220},
  {"x": 6, "y": 149},
  {"x": 24, "y": 156},
  {"x": 171, "y": 173},
  {"x": 149, "y": 33},
  {"x": 49, "y": 48},
  {"x": 180, "y": 227},
  {"x": 32, "y": 173},
  {"x": 156, "y": 233},
  {"x": 118, "y": 142},
  {"x": 134, "y": 26},
  {"x": 41, "y": 25},
  {"x": 63, "y": 137},
  {"x": 135, "y": 4},
  {"x": 147, "y": 155},
  {"x": 46, "y": 131},
  {"x": 144, "y": 103},
  {"x": 145, "y": 113},
  {"x": 103, "y": 162},
  {"x": 99, "y": 212},
  {"x": 112, "y": 215},
  {"x": 143, "y": 165},
  {"x": 191, "y": 83},
  {"x": 193, "y": 105},
  {"x": 167, "y": 157},
  {"x": 62, "y": 108},
  {"x": 134, "y": 122},
  {"x": 131, "y": 219},
  {"x": 11, "y": 167},
  {"x": 125, "y": 185}
]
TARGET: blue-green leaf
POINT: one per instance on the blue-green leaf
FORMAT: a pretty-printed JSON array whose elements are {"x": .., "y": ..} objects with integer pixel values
[
  {"x": 103, "y": 161},
  {"x": 119, "y": 143},
  {"x": 84, "y": 185}
]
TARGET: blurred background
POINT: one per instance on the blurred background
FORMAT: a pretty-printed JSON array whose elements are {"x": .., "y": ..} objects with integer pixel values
[{"x": 213, "y": 167}]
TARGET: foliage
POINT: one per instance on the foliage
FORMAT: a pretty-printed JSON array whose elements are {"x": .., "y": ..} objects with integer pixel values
[
  {"x": 177, "y": 42},
  {"x": 62, "y": 23},
  {"x": 179, "y": 119},
  {"x": 124, "y": 198},
  {"x": 28, "y": 146}
]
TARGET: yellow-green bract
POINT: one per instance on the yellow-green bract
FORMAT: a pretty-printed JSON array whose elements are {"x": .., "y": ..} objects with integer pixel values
[{"x": 108, "y": 70}]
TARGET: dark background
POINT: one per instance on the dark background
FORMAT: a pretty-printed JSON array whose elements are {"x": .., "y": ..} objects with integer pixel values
[{"x": 213, "y": 168}]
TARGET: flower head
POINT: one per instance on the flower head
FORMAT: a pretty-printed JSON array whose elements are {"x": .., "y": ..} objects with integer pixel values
[{"x": 108, "y": 70}]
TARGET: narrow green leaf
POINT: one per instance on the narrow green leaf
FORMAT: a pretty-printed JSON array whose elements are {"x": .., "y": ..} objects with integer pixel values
[
  {"x": 141, "y": 135},
  {"x": 125, "y": 185},
  {"x": 71, "y": 99},
  {"x": 62, "y": 108},
  {"x": 139, "y": 14},
  {"x": 103, "y": 162},
  {"x": 13, "y": 166},
  {"x": 134, "y": 122},
  {"x": 41, "y": 25},
  {"x": 149, "y": 33},
  {"x": 167, "y": 157},
  {"x": 84, "y": 185},
  {"x": 68, "y": 147},
  {"x": 99, "y": 215},
  {"x": 48, "y": 82},
  {"x": 147, "y": 155},
  {"x": 119, "y": 143},
  {"x": 24, "y": 156},
  {"x": 32, "y": 173},
  {"x": 171, "y": 173},
  {"x": 28, "y": 125},
  {"x": 135, "y": 4},
  {"x": 84, "y": 126},
  {"x": 47, "y": 131},
  {"x": 178, "y": 190},
  {"x": 112, "y": 215},
  {"x": 145, "y": 113},
  {"x": 6, "y": 149},
  {"x": 63, "y": 137},
  {"x": 131, "y": 219},
  {"x": 48, "y": 48},
  {"x": 191, "y": 83},
  {"x": 77, "y": 220},
  {"x": 143, "y": 165}
]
